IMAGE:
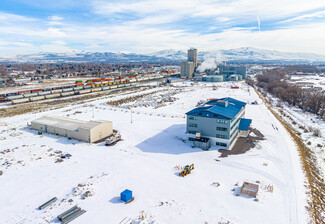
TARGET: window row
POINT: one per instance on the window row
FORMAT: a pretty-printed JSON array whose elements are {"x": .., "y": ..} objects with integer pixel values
[
  {"x": 221, "y": 121},
  {"x": 221, "y": 144},
  {"x": 192, "y": 125},
  {"x": 221, "y": 129},
  {"x": 192, "y": 118},
  {"x": 221, "y": 136}
]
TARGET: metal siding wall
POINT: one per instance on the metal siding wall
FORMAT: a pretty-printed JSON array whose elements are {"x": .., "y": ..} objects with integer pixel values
[{"x": 101, "y": 131}]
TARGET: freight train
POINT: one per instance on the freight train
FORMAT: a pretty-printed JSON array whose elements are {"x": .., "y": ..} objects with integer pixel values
[{"x": 92, "y": 85}]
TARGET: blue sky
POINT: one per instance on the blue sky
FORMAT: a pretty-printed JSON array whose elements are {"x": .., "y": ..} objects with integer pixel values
[{"x": 29, "y": 26}]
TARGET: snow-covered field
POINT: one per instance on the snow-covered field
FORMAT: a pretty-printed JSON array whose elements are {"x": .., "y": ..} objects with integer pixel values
[
  {"x": 144, "y": 162},
  {"x": 315, "y": 81}
]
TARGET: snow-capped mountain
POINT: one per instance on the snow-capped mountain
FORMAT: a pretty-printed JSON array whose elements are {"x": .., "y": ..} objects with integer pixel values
[
  {"x": 104, "y": 57},
  {"x": 244, "y": 54},
  {"x": 248, "y": 54},
  {"x": 255, "y": 54}
]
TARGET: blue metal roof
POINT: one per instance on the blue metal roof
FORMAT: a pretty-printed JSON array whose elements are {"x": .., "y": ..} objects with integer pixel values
[
  {"x": 230, "y": 100},
  {"x": 244, "y": 124},
  {"x": 229, "y": 112}
]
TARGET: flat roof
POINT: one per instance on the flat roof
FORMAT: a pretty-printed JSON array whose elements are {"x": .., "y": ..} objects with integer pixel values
[
  {"x": 244, "y": 124},
  {"x": 67, "y": 123}
]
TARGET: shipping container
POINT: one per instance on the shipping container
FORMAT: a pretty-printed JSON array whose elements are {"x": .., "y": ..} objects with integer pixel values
[
  {"x": 132, "y": 80},
  {"x": 44, "y": 93},
  {"x": 15, "y": 97},
  {"x": 120, "y": 85},
  {"x": 21, "y": 92},
  {"x": 96, "y": 89},
  {"x": 87, "y": 87},
  {"x": 2, "y": 99},
  {"x": 106, "y": 88},
  {"x": 56, "y": 91},
  {"x": 36, "y": 90},
  {"x": 30, "y": 94},
  {"x": 133, "y": 84},
  {"x": 67, "y": 93},
  {"x": 84, "y": 91},
  {"x": 23, "y": 100},
  {"x": 67, "y": 90},
  {"x": 35, "y": 98},
  {"x": 127, "y": 84},
  {"x": 50, "y": 96},
  {"x": 113, "y": 87},
  {"x": 78, "y": 88}
]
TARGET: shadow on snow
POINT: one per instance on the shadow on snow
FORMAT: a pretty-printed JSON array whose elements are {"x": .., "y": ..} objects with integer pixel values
[{"x": 172, "y": 140}]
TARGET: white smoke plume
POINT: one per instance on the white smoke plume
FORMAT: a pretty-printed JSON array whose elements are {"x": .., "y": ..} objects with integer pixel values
[{"x": 212, "y": 60}]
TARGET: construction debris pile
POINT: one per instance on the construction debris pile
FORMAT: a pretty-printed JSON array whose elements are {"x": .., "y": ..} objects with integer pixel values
[{"x": 60, "y": 156}]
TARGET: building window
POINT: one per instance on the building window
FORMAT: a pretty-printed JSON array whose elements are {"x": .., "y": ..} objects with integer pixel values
[
  {"x": 200, "y": 113},
  {"x": 221, "y": 121},
  {"x": 191, "y": 132},
  {"x": 221, "y": 129},
  {"x": 192, "y": 118},
  {"x": 221, "y": 144},
  {"x": 192, "y": 125},
  {"x": 222, "y": 136}
]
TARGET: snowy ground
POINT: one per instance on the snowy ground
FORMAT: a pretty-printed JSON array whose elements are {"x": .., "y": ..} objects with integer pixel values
[
  {"x": 315, "y": 81},
  {"x": 144, "y": 162}
]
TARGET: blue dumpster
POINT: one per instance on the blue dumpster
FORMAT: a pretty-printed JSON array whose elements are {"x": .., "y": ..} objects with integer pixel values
[{"x": 126, "y": 195}]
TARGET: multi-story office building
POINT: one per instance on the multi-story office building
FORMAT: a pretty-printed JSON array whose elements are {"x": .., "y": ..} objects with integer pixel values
[{"x": 219, "y": 122}]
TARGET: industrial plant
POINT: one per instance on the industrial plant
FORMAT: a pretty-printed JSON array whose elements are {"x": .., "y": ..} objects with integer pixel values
[{"x": 222, "y": 72}]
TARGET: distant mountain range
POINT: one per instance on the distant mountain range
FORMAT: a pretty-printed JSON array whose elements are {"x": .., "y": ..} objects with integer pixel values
[{"x": 244, "y": 54}]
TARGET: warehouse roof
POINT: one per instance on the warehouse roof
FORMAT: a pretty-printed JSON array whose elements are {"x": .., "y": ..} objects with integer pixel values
[
  {"x": 214, "y": 108},
  {"x": 67, "y": 123},
  {"x": 244, "y": 124}
]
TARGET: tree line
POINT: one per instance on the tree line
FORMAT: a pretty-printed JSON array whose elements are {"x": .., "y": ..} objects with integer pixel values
[{"x": 276, "y": 83}]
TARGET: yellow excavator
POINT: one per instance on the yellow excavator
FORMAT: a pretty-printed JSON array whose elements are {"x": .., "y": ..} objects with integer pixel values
[{"x": 187, "y": 170}]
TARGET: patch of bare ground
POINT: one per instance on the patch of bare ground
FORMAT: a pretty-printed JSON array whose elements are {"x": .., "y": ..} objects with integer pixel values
[
  {"x": 119, "y": 102},
  {"x": 60, "y": 102},
  {"x": 314, "y": 180},
  {"x": 243, "y": 144}
]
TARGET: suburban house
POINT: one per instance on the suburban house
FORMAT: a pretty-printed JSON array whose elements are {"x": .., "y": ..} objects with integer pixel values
[{"x": 217, "y": 123}]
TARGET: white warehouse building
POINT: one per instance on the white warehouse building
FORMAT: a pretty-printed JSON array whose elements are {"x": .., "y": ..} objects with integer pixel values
[{"x": 88, "y": 131}]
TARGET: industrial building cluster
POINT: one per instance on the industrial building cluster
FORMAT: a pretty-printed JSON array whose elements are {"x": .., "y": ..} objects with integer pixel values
[{"x": 223, "y": 72}]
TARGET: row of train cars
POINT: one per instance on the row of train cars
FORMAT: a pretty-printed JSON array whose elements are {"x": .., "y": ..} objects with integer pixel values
[{"x": 92, "y": 85}]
